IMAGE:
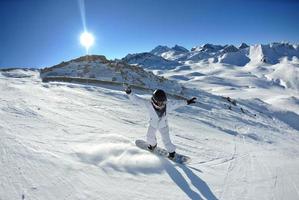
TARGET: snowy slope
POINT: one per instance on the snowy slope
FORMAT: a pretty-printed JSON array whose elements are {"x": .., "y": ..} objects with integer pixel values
[
  {"x": 72, "y": 141},
  {"x": 273, "y": 84}
]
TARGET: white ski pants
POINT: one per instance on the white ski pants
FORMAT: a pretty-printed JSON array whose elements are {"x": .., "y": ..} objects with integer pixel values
[{"x": 152, "y": 140}]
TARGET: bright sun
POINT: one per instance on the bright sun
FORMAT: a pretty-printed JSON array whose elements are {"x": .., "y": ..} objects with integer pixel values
[{"x": 87, "y": 40}]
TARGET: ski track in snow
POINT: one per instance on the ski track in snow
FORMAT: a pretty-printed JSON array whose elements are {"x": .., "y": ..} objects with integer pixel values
[{"x": 66, "y": 141}]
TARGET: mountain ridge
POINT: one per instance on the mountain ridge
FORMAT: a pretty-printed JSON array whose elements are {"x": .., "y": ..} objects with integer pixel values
[{"x": 259, "y": 53}]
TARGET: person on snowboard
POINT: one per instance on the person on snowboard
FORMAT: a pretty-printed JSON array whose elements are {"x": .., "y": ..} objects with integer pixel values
[{"x": 158, "y": 108}]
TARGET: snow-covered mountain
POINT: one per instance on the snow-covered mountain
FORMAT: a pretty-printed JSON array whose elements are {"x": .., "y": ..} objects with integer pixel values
[
  {"x": 150, "y": 61},
  {"x": 208, "y": 48},
  {"x": 227, "y": 54},
  {"x": 161, "y": 57},
  {"x": 160, "y": 50},
  {"x": 179, "y": 49},
  {"x": 99, "y": 68},
  {"x": 243, "y": 46}
]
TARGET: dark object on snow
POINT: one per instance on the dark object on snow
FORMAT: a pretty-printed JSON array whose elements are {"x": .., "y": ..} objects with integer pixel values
[
  {"x": 192, "y": 100},
  {"x": 128, "y": 90},
  {"x": 242, "y": 110},
  {"x": 171, "y": 155},
  {"x": 232, "y": 101}
]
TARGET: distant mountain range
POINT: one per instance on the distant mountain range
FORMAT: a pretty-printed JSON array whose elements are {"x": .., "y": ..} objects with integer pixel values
[{"x": 163, "y": 57}]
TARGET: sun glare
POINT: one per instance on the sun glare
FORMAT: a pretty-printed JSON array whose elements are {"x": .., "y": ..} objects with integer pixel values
[{"x": 86, "y": 40}]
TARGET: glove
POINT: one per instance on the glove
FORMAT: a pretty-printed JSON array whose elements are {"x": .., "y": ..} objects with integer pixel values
[
  {"x": 128, "y": 90},
  {"x": 190, "y": 101}
]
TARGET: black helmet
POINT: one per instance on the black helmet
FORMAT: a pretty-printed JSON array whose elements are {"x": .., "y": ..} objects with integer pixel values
[{"x": 159, "y": 98}]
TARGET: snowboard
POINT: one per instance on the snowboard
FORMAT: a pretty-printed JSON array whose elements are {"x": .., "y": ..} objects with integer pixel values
[{"x": 178, "y": 158}]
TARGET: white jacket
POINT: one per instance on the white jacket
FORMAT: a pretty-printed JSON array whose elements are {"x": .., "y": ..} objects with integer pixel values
[{"x": 155, "y": 121}]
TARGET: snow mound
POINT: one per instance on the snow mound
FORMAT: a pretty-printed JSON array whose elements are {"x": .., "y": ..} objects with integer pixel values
[
  {"x": 286, "y": 74},
  {"x": 290, "y": 103},
  {"x": 238, "y": 58}
]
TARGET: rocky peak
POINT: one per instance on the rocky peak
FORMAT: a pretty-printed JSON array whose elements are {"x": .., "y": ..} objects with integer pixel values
[
  {"x": 210, "y": 48},
  {"x": 230, "y": 48},
  {"x": 160, "y": 49},
  {"x": 243, "y": 46},
  {"x": 179, "y": 49}
]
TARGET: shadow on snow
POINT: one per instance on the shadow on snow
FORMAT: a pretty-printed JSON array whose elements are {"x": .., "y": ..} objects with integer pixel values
[{"x": 203, "y": 190}]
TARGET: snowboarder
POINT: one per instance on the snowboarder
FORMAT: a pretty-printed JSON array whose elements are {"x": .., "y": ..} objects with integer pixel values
[{"x": 158, "y": 108}]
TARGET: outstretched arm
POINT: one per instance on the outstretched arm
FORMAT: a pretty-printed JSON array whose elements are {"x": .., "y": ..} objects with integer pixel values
[
  {"x": 176, "y": 104},
  {"x": 134, "y": 98}
]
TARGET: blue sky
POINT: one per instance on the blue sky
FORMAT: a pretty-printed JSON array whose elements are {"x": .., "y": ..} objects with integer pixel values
[{"x": 39, "y": 33}]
